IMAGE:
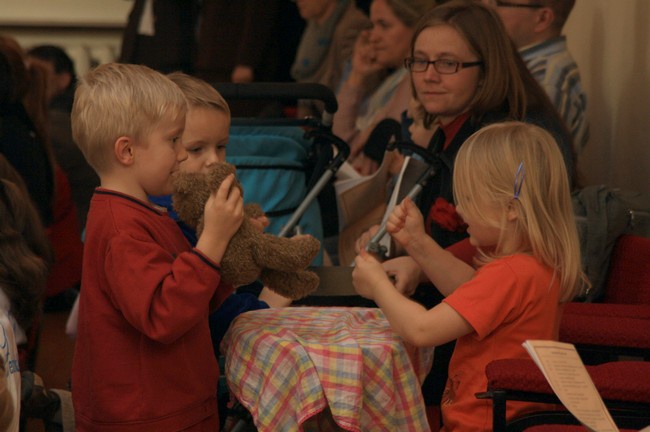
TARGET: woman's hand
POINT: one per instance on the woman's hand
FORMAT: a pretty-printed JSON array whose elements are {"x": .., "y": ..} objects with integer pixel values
[
  {"x": 364, "y": 165},
  {"x": 364, "y": 60},
  {"x": 242, "y": 74},
  {"x": 405, "y": 273}
]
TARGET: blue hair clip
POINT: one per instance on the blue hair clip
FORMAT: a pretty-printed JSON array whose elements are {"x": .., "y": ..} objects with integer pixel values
[{"x": 519, "y": 179}]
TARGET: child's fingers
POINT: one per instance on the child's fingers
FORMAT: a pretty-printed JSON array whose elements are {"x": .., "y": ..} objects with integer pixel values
[
  {"x": 393, "y": 225},
  {"x": 231, "y": 195},
  {"x": 235, "y": 196},
  {"x": 400, "y": 210},
  {"x": 225, "y": 188},
  {"x": 368, "y": 257},
  {"x": 365, "y": 238},
  {"x": 409, "y": 206},
  {"x": 411, "y": 211},
  {"x": 396, "y": 220}
]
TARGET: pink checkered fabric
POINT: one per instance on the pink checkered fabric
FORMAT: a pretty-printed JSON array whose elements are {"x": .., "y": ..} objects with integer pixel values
[{"x": 286, "y": 365}]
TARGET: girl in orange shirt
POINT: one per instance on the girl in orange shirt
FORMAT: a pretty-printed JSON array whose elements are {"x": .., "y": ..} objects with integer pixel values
[{"x": 511, "y": 188}]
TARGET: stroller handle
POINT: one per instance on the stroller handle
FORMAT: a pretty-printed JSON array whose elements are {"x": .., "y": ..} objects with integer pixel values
[{"x": 280, "y": 90}]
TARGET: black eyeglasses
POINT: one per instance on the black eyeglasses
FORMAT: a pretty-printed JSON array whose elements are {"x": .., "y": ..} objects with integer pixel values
[
  {"x": 445, "y": 67},
  {"x": 499, "y": 3}
]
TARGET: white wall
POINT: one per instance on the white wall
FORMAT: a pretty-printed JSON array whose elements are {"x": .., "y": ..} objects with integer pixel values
[
  {"x": 610, "y": 41},
  {"x": 89, "y": 30},
  {"x": 87, "y": 12}
]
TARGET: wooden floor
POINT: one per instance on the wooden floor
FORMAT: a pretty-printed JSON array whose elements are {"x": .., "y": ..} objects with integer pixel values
[{"x": 54, "y": 357}]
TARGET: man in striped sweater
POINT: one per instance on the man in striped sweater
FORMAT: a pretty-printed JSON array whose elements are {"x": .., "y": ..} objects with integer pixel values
[{"x": 535, "y": 26}]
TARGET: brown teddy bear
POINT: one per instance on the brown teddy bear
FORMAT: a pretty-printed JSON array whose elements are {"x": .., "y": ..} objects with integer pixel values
[{"x": 279, "y": 262}]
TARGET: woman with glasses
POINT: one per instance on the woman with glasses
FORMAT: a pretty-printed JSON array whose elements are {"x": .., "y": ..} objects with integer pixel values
[{"x": 466, "y": 74}]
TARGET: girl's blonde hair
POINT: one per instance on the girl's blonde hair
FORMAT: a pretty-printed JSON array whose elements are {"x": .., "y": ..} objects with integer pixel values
[
  {"x": 518, "y": 167},
  {"x": 198, "y": 93},
  {"x": 115, "y": 100}
]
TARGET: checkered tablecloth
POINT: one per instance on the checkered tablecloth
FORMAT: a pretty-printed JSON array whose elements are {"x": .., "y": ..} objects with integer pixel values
[{"x": 285, "y": 365}]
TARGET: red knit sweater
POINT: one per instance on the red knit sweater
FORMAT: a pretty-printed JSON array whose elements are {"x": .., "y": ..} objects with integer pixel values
[{"x": 143, "y": 358}]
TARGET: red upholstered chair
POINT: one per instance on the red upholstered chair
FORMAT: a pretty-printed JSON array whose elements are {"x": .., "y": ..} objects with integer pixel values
[
  {"x": 623, "y": 385},
  {"x": 602, "y": 333},
  {"x": 621, "y": 324},
  {"x": 565, "y": 428}
]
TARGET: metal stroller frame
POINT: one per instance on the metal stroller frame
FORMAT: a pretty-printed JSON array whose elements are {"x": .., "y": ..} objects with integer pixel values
[{"x": 432, "y": 161}]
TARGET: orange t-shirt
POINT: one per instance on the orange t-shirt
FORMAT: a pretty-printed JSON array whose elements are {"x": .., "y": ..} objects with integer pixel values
[{"x": 508, "y": 301}]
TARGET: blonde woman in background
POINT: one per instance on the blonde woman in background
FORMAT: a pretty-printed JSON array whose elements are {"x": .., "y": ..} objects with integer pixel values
[{"x": 381, "y": 49}]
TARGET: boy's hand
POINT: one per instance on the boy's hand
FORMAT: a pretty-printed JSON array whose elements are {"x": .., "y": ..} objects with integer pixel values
[
  {"x": 406, "y": 224},
  {"x": 223, "y": 215},
  {"x": 224, "y": 210},
  {"x": 367, "y": 275}
]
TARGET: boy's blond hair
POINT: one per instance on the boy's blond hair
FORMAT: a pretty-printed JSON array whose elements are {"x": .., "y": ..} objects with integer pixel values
[
  {"x": 198, "y": 93},
  {"x": 115, "y": 100},
  {"x": 515, "y": 165}
]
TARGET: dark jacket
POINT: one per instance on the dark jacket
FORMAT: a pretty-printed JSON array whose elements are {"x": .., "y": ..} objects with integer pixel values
[
  {"x": 20, "y": 145},
  {"x": 173, "y": 45}
]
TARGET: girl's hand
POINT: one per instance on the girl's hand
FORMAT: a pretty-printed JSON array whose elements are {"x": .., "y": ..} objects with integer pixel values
[
  {"x": 368, "y": 275},
  {"x": 406, "y": 224},
  {"x": 224, "y": 211},
  {"x": 405, "y": 272},
  {"x": 364, "y": 238}
]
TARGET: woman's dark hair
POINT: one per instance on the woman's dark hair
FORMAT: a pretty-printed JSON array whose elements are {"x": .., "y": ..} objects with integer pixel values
[
  {"x": 57, "y": 57},
  {"x": 25, "y": 251}
]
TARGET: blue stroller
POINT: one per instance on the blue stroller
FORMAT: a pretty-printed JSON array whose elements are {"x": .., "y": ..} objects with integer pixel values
[{"x": 283, "y": 163}]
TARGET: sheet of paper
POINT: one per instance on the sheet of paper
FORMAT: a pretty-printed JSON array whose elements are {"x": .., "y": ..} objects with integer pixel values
[
  {"x": 569, "y": 379},
  {"x": 356, "y": 195},
  {"x": 347, "y": 172}
]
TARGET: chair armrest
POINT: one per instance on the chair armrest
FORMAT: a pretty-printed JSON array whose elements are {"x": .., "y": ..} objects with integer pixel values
[{"x": 520, "y": 379}]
